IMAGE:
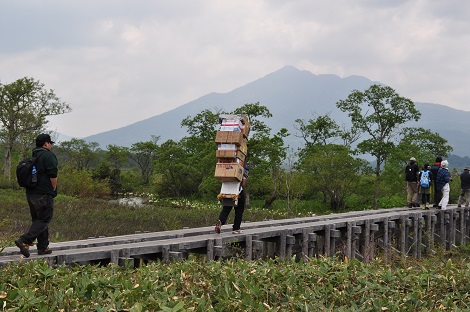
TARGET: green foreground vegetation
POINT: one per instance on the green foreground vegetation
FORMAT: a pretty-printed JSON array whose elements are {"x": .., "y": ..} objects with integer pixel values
[{"x": 323, "y": 284}]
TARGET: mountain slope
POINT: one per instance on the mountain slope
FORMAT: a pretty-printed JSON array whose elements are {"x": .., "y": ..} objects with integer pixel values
[{"x": 289, "y": 93}]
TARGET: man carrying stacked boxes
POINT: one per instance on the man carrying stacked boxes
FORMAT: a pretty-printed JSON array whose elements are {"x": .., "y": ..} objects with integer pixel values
[{"x": 232, "y": 148}]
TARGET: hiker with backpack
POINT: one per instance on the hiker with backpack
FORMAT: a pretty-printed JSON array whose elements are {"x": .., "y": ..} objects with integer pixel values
[
  {"x": 411, "y": 178},
  {"x": 40, "y": 197},
  {"x": 425, "y": 181}
]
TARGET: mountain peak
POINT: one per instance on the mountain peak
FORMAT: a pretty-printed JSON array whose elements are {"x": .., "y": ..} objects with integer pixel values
[{"x": 290, "y": 94}]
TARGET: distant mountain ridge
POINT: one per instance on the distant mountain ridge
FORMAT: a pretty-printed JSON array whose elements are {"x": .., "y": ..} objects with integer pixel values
[{"x": 289, "y": 94}]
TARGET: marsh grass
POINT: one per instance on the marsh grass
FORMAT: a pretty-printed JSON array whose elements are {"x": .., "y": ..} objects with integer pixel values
[{"x": 76, "y": 218}]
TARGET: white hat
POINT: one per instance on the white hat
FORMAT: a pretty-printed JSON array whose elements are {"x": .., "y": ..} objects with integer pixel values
[
  {"x": 445, "y": 164},
  {"x": 412, "y": 159}
]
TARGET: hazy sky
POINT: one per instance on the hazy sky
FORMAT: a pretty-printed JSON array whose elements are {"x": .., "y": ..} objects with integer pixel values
[{"x": 117, "y": 62}]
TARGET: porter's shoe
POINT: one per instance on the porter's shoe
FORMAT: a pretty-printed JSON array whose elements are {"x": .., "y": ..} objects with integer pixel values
[
  {"x": 46, "y": 251},
  {"x": 237, "y": 231},
  {"x": 24, "y": 248},
  {"x": 218, "y": 226}
]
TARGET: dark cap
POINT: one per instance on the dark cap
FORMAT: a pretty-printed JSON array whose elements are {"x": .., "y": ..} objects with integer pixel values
[
  {"x": 438, "y": 159},
  {"x": 43, "y": 138}
]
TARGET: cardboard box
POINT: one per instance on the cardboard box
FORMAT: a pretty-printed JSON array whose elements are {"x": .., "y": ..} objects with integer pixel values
[
  {"x": 229, "y": 137},
  {"x": 228, "y": 172},
  {"x": 235, "y": 138},
  {"x": 230, "y": 154},
  {"x": 243, "y": 146},
  {"x": 221, "y": 137},
  {"x": 246, "y": 126}
]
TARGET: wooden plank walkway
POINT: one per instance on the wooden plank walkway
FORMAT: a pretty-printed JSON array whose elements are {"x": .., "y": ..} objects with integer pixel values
[{"x": 358, "y": 234}]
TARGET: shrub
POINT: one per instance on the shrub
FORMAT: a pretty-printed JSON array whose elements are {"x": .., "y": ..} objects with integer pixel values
[{"x": 79, "y": 183}]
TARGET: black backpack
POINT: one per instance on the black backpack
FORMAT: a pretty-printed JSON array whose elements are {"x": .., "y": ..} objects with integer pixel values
[
  {"x": 411, "y": 172},
  {"x": 26, "y": 172}
]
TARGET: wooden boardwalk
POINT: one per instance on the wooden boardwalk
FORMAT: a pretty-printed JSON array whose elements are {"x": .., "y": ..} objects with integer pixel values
[{"x": 360, "y": 234}]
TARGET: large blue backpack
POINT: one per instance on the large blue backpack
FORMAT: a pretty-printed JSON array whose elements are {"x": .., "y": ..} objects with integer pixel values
[{"x": 424, "y": 181}]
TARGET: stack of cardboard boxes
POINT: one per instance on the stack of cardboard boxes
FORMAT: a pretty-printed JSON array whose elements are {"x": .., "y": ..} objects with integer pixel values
[{"x": 231, "y": 140}]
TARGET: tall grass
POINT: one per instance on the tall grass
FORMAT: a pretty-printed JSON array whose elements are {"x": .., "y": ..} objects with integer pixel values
[
  {"x": 76, "y": 218},
  {"x": 321, "y": 284}
]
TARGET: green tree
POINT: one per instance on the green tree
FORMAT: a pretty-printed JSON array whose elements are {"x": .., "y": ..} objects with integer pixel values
[
  {"x": 266, "y": 153},
  {"x": 331, "y": 170},
  {"x": 379, "y": 112},
  {"x": 200, "y": 148},
  {"x": 423, "y": 144},
  {"x": 178, "y": 175},
  {"x": 321, "y": 154},
  {"x": 116, "y": 157},
  {"x": 319, "y": 130},
  {"x": 195, "y": 153},
  {"x": 144, "y": 155},
  {"x": 24, "y": 106},
  {"x": 204, "y": 125},
  {"x": 78, "y": 153}
]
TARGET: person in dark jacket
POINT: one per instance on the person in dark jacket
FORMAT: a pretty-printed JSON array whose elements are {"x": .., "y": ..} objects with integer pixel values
[
  {"x": 41, "y": 198},
  {"x": 411, "y": 178},
  {"x": 442, "y": 184},
  {"x": 464, "y": 197},
  {"x": 239, "y": 209},
  {"x": 434, "y": 169}
]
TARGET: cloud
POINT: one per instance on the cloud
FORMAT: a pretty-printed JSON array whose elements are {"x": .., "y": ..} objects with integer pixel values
[{"x": 119, "y": 61}]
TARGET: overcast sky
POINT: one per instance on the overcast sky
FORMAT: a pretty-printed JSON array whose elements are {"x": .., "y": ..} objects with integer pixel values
[{"x": 117, "y": 62}]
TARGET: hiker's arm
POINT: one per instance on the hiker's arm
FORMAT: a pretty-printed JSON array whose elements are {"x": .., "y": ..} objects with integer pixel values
[{"x": 54, "y": 183}]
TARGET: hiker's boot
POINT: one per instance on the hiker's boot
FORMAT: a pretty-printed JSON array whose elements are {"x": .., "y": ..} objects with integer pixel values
[
  {"x": 24, "y": 248},
  {"x": 218, "y": 226},
  {"x": 46, "y": 251}
]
